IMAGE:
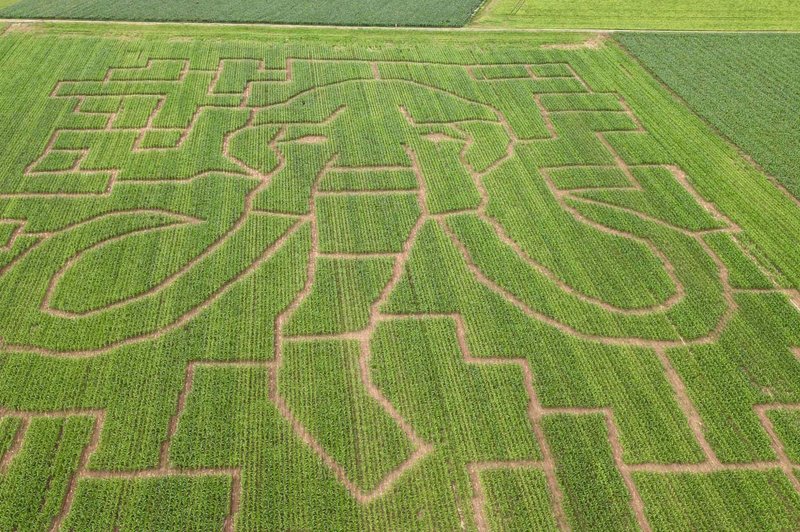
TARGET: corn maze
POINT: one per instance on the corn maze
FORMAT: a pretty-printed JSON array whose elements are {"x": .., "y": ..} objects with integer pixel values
[{"x": 314, "y": 286}]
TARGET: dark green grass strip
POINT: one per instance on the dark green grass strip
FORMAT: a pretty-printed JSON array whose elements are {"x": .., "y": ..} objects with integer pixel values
[{"x": 337, "y": 12}]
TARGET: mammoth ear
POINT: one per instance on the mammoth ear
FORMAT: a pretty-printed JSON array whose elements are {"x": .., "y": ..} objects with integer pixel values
[
  {"x": 251, "y": 148},
  {"x": 126, "y": 245}
]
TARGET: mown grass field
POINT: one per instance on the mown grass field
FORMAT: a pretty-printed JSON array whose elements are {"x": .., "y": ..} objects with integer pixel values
[
  {"x": 778, "y": 15},
  {"x": 325, "y": 279},
  {"x": 745, "y": 85},
  {"x": 338, "y": 12}
]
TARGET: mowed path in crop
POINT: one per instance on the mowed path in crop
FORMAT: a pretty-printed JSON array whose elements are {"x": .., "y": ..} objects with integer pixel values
[{"x": 252, "y": 284}]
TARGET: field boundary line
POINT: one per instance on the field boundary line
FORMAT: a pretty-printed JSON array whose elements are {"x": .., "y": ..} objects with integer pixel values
[{"x": 466, "y": 29}]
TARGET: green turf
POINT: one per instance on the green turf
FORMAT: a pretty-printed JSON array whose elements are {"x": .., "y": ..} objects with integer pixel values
[
  {"x": 641, "y": 14},
  {"x": 341, "y": 280},
  {"x": 336, "y": 12},
  {"x": 745, "y": 85}
]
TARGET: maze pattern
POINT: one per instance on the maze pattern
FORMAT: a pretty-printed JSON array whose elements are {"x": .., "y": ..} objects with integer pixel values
[{"x": 364, "y": 185}]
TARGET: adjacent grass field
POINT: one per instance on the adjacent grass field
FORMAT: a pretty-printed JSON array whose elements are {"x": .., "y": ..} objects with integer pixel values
[
  {"x": 641, "y": 14},
  {"x": 344, "y": 12},
  {"x": 747, "y": 86},
  {"x": 322, "y": 280}
]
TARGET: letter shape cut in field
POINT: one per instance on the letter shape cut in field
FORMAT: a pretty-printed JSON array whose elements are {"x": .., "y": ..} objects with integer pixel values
[{"x": 170, "y": 189}]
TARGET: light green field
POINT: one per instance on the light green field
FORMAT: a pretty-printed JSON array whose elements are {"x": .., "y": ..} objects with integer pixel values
[
  {"x": 346, "y": 280},
  {"x": 641, "y": 14}
]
